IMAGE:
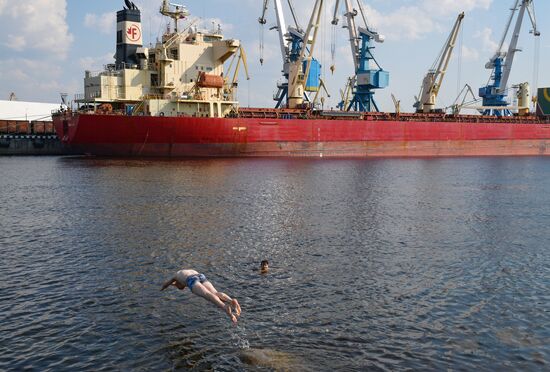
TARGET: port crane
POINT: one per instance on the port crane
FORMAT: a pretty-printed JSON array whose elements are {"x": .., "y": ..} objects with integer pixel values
[
  {"x": 369, "y": 76},
  {"x": 426, "y": 99},
  {"x": 291, "y": 44},
  {"x": 302, "y": 76},
  {"x": 495, "y": 92}
]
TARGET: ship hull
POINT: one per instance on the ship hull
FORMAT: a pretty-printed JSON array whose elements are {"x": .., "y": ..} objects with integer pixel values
[{"x": 127, "y": 136}]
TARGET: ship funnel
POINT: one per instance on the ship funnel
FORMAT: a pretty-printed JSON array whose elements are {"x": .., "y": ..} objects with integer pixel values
[{"x": 129, "y": 36}]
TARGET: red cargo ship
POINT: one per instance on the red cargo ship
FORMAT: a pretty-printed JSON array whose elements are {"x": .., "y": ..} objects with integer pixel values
[
  {"x": 256, "y": 134},
  {"x": 173, "y": 100}
]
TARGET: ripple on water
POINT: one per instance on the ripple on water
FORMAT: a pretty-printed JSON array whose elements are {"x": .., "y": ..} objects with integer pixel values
[{"x": 376, "y": 265}]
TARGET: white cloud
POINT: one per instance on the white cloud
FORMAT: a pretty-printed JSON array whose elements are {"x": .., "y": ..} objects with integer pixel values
[
  {"x": 38, "y": 28},
  {"x": 34, "y": 80},
  {"x": 105, "y": 22},
  {"x": 469, "y": 54},
  {"x": 448, "y": 7},
  {"x": 39, "y": 25},
  {"x": 17, "y": 43},
  {"x": 212, "y": 23},
  {"x": 487, "y": 43},
  {"x": 409, "y": 23},
  {"x": 96, "y": 63},
  {"x": 415, "y": 22}
]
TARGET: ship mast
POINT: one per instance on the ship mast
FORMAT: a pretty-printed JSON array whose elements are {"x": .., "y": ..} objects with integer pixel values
[{"x": 180, "y": 12}]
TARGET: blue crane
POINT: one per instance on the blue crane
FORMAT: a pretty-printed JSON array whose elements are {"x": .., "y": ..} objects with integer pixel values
[
  {"x": 494, "y": 94},
  {"x": 369, "y": 76},
  {"x": 291, "y": 43}
]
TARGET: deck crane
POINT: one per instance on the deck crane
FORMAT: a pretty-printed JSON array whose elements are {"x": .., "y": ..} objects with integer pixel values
[
  {"x": 368, "y": 73},
  {"x": 291, "y": 43},
  {"x": 232, "y": 83},
  {"x": 495, "y": 93},
  {"x": 456, "y": 107},
  {"x": 425, "y": 101}
]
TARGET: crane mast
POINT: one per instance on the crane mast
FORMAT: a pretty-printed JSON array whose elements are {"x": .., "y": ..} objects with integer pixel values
[
  {"x": 425, "y": 102},
  {"x": 291, "y": 43},
  {"x": 299, "y": 79},
  {"x": 369, "y": 76},
  {"x": 495, "y": 93}
]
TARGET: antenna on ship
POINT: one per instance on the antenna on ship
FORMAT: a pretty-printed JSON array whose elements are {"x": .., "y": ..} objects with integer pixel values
[{"x": 180, "y": 12}]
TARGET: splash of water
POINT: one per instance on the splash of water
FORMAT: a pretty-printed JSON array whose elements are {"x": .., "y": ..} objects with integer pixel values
[{"x": 240, "y": 338}]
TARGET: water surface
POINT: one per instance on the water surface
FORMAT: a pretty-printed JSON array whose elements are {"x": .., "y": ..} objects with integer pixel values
[{"x": 423, "y": 264}]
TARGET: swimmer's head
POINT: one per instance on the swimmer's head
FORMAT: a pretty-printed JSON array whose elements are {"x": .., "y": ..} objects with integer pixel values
[
  {"x": 178, "y": 285},
  {"x": 174, "y": 281},
  {"x": 264, "y": 266}
]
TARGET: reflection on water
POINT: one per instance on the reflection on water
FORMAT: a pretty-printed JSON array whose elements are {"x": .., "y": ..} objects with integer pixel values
[
  {"x": 383, "y": 264},
  {"x": 266, "y": 358}
]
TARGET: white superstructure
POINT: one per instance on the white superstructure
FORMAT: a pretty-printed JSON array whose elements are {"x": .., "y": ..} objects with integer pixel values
[{"x": 182, "y": 75}]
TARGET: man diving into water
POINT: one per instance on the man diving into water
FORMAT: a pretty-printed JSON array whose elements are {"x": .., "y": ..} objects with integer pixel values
[{"x": 199, "y": 285}]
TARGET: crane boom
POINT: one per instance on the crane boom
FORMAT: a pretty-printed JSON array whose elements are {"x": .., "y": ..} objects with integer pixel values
[
  {"x": 512, "y": 49},
  {"x": 434, "y": 78},
  {"x": 293, "y": 12},
  {"x": 495, "y": 93},
  {"x": 281, "y": 26},
  {"x": 499, "y": 52},
  {"x": 352, "y": 29},
  {"x": 262, "y": 19}
]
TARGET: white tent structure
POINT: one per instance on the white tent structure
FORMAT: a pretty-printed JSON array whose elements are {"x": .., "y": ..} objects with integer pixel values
[{"x": 27, "y": 111}]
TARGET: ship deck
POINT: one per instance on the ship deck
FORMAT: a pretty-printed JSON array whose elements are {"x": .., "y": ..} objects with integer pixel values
[{"x": 268, "y": 113}]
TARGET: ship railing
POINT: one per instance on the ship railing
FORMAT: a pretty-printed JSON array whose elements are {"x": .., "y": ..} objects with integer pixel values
[
  {"x": 93, "y": 74},
  {"x": 86, "y": 97},
  {"x": 152, "y": 96},
  {"x": 106, "y": 72},
  {"x": 122, "y": 66}
]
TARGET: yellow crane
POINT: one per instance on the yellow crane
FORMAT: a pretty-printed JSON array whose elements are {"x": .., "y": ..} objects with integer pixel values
[
  {"x": 346, "y": 94},
  {"x": 426, "y": 99},
  {"x": 231, "y": 83},
  {"x": 316, "y": 99}
]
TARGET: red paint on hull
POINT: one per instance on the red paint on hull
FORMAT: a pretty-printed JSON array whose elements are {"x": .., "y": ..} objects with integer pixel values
[{"x": 116, "y": 135}]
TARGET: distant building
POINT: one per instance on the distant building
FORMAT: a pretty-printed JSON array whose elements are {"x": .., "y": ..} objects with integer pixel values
[{"x": 28, "y": 111}]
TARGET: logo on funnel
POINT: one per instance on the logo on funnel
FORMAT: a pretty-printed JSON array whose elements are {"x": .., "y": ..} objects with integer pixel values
[{"x": 134, "y": 33}]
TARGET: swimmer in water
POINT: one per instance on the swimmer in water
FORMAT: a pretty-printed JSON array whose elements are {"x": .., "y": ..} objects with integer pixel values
[
  {"x": 199, "y": 285},
  {"x": 264, "y": 267}
]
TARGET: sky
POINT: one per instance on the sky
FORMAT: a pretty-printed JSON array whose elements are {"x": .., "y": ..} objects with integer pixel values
[{"x": 46, "y": 45}]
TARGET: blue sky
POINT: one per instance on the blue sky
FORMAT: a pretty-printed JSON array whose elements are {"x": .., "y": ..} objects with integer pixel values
[{"x": 47, "y": 44}]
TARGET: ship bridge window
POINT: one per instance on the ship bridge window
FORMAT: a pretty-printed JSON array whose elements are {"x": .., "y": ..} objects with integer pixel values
[
  {"x": 154, "y": 80},
  {"x": 152, "y": 58},
  {"x": 174, "y": 54},
  {"x": 209, "y": 69}
]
